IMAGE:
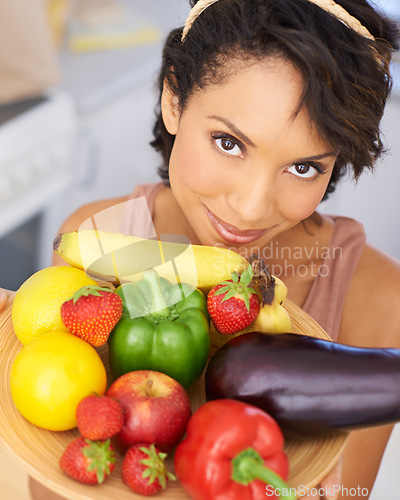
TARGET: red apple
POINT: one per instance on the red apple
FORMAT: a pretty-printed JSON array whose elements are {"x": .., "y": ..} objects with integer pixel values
[{"x": 156, "y": 409}]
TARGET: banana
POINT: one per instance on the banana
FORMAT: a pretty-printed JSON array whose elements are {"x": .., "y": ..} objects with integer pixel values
[
  {"x": 280, "y": 290},
  {"x": 272, "y": 318},
  {"x": 119, "y": 258}
]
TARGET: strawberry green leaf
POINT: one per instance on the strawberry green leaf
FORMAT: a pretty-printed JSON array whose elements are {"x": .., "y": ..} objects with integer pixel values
[
  {"x": 232, "y": 292},
  {"x": 99, "y": 455},
  {"x": 247, "y": 275},
  {"x": 224, "y": 289},
  {"x": 239, "y": 287},
  {"x": 85, "y": 291},
  {"x": 246, "y": 301},
  {"x": 156, "y": 468}
]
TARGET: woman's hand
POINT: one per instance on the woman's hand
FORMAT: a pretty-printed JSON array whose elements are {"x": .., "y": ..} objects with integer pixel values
[
  {"x": 329, "y": 487},
  {"x": 4, "y": 294}
]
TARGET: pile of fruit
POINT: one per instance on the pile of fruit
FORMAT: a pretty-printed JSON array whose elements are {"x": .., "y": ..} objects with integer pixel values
[
  {"x": 158, "y": 339},
  {"x": 260, "y": 386},
  {"x": 59, "y": 382}
]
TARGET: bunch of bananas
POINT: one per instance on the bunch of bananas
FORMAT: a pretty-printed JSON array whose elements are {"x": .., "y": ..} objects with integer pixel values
[
  {"x": 119, "y": 258},
  {"x": 273, "y": 317}
]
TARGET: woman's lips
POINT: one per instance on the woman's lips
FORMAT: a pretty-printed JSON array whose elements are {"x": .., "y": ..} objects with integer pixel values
[{"x": 231, "y": 233}]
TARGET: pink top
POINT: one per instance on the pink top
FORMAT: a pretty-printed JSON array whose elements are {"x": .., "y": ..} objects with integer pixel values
[{"x": 327, "y": 294}]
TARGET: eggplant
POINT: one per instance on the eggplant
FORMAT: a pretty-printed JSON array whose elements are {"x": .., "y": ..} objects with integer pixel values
[{"x": 311, "y": 387}]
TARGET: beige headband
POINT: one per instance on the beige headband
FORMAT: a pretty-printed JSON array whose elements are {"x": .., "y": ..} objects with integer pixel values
[{"x": 328, "y": 5}]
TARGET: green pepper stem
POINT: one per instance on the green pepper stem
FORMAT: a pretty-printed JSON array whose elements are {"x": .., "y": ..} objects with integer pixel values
[
  {"x": 159, "y": 304},
  {"x": 248, "y": 466}
]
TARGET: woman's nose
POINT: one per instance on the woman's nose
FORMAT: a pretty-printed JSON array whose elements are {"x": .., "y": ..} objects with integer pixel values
[{"x": 254, "y": 199}]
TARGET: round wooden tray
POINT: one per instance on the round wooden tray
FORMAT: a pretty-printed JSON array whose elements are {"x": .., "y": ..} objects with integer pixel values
[{"x": 38, "y": 450}]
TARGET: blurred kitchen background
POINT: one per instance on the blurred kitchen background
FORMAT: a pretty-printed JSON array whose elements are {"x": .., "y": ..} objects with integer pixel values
[{"x": 77, "y": 98}]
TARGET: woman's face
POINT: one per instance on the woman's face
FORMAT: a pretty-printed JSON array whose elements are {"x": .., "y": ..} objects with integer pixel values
[{"x": 244, "y": 168}]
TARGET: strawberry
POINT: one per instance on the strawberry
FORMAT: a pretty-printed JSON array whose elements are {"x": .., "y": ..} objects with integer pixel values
[
  {"x": 99, "y": 417},
  {"x": 91, "y": 313},
  {"x": 89, "y": 462},
  {"x": 144, "y": 470},
  {"x": 233, "y": 304}
]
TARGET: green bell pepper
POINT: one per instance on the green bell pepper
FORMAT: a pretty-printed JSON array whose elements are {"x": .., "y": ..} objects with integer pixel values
[{"x": 164, "y": 327}]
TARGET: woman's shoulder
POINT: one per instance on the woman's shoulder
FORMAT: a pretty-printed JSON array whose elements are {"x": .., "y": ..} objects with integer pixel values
[
  {"x": 371, "y": 316},
  {"x": 89, "y": 210}
]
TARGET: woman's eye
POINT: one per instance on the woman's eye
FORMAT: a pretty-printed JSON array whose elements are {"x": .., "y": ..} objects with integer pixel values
[
  {"x": 304, "y": 170},
  {"x": 228, "y": 146}
]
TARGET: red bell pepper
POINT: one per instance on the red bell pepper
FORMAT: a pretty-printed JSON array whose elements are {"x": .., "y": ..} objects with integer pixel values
[{"x": 232, "y": 451}]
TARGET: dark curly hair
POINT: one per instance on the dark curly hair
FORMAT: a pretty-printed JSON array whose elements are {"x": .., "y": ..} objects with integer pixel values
[{"x": 346, "y": 76}]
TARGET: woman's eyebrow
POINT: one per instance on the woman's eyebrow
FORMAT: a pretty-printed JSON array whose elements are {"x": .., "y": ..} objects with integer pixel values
[
  {"x": 235, "y": 130},
  {"x": 317, "y": 157}
]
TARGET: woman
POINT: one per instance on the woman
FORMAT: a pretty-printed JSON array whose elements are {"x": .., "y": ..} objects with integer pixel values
[{"x": 264, "y": 105}]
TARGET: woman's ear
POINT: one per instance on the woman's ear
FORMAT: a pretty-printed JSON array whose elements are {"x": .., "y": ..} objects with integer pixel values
[{"x": 170, "y": 109}]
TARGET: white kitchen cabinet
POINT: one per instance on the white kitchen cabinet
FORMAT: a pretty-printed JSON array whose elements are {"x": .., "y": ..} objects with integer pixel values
[
  {"x": 115, "y": 96},
  {"x": 114, "y": 153}
]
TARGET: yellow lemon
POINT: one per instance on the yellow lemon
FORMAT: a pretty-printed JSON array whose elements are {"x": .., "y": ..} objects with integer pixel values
[
  {"x": 51, "y": 374},
  {"x": 37, "y": 303}
]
